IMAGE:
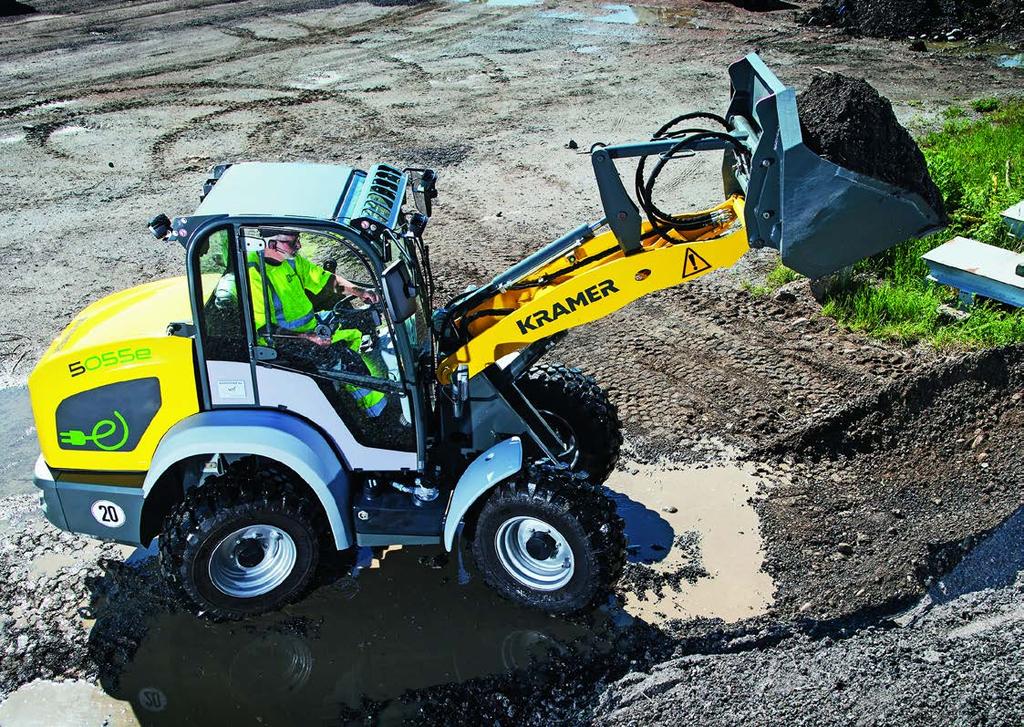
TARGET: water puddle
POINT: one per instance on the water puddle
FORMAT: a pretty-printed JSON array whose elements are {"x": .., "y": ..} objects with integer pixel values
[
  {"x": 401, "y": 623},
  {"x": 1011, "y": 61},
  {"x": 405, "y": 619},
  {"x": 618, "y": 14},
  {"x": 698, "y": 532},
  {"x": 500, "y": 3},
  {"x": 69, "y": 130},
  {"x": 314, "y": 81},
  {"x": 21, "y": 446},
  {"x": 49, "y": 564}
]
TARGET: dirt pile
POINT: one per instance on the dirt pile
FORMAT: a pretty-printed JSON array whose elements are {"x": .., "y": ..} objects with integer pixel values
[
  {"x": 892, "y": 487},
  {"x": 935, "y": 19},
  {"x": 846, "y": 121}
]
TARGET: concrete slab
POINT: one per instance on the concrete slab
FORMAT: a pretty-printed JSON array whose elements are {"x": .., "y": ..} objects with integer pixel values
[
  {"x": 1014, "y": 219},
  {"x": 975, "y": 268}
]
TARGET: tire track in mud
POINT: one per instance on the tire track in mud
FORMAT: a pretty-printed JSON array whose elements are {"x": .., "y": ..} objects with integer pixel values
[
  {"x": 724, "y": 363},
  {"x": 245, "y": 51},
  {"x": 292, "y": 96}
]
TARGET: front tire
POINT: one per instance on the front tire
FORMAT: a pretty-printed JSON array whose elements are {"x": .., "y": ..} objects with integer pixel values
[
  {"x": 549, "y": 539},
  {"x": 580, "y": 412},
  {"x": 242, "y": 544}
]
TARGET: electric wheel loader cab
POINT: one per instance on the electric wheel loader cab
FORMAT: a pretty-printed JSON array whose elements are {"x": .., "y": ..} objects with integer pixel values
[{"x": 297, "y": 392}]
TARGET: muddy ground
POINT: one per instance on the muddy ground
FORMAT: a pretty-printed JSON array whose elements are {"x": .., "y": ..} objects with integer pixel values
[{"x": 871, "y": 468}]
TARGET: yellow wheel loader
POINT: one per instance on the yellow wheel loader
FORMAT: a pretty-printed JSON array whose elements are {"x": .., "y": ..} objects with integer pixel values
[{"x": 299, "y": 391}]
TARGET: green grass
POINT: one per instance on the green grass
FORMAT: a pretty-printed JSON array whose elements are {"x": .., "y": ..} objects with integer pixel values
[
  {"x": 985, "y": 105},
  {"x": 979, "y": 167},
  {"x": 779, "y": 276}
]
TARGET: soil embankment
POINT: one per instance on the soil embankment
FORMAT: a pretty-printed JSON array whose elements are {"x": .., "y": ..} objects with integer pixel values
[{"x": 935, "y": 19}]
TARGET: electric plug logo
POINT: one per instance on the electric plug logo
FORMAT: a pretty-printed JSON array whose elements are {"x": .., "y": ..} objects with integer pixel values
[
  {"x": 109, "y": 418},
  {"x": 100, "y": 435}
]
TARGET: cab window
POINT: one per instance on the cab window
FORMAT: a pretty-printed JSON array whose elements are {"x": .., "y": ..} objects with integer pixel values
[
  {"x": 221, "y": 323},
  {"x": 316, "y": 303}
]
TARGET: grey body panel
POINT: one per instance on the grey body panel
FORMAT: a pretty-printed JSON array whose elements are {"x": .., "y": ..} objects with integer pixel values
[
  {"x": 374, "y": 539},
  {"x": 68, "y": 505},
  {"x": 498, "y": 463},
  {"x": 276, "y": 435},
  {"x": 493, "y": 420}
]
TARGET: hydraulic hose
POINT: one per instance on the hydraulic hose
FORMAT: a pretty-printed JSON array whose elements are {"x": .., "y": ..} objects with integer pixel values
[{"x": 661, "y": 221}]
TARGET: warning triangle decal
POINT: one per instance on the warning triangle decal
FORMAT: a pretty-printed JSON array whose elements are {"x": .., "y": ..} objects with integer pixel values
[{"x": 694, "y": 263}]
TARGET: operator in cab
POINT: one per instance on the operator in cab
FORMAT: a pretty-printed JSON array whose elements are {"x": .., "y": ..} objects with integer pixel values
[
  {"x": 293, "y": 283},
  {"x": 291, "y": 280}
]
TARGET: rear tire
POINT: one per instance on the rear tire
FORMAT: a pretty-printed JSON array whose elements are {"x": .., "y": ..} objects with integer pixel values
[
  {"x": 577, "y": 408},
  {"x": 550, "y": 540},
  {"x": 242, "y": 544}
]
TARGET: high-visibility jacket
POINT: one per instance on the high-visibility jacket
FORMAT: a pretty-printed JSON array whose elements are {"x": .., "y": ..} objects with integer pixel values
[
  {"x": 291, "y": 309},
  {"x": 287, "y": 285}
]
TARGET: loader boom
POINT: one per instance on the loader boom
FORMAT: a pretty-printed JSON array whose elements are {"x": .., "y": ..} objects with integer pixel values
[
  {"x": 589, "y": 280},
  {"x": 818, "y": 215}
]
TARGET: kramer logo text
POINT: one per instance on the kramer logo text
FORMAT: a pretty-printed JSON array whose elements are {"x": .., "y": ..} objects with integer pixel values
[{"x": 568, "y": 305}]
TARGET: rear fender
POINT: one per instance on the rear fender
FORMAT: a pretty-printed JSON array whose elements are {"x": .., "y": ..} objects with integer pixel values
[
  {"x": 276, "y": 435},
  {"x": 490, "y": 468}
]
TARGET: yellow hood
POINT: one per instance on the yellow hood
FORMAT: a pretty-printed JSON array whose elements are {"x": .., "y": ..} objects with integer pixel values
[
  {"x": 111, "y": 349},
  {"x": 140, "y": 312}
]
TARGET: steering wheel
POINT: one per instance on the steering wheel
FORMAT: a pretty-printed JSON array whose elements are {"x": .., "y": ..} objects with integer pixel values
[{"x": 339, "y": 307}]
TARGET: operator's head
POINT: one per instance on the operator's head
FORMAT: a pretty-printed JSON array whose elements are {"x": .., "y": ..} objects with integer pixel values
[{"x": 282, "y": 244}]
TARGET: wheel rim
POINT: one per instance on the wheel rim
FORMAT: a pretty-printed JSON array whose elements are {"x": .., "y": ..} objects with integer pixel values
[
  {"x": 252, "y": 561},
  {"x": 534, "y": 553},
  {"x": 571, "y": 455}
]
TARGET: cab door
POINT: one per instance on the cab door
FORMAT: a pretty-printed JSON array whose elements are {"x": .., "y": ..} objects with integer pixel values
[
  {"x": 324, "y": 347},
  {"x": 222, "y": 338}
]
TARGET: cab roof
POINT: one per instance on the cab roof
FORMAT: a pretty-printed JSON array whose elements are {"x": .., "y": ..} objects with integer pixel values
[{"x": 331, "y": 192}]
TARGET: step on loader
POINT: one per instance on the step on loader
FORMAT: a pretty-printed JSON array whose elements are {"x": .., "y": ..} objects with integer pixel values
[{"x": 299, "y": 391}]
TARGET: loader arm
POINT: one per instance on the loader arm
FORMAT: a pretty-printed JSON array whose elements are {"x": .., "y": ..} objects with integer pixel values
[
  {"x": 591, "y": 280},
  {"x": 820, "y": 217}
]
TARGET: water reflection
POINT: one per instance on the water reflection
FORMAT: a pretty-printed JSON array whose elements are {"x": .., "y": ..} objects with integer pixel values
[{"x": 349, "y": 649}]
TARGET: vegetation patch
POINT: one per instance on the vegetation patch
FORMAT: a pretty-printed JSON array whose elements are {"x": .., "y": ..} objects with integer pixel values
[
  {"x": 978, "y": 165},
  {"x": 779, "y": 276}
]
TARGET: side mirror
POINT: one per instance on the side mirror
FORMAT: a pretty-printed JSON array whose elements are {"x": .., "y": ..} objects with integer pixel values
[
  {"x": 160, "y": 226},
  {"x": 399, "y": 291},
  {"x": 424, "y": 189}
]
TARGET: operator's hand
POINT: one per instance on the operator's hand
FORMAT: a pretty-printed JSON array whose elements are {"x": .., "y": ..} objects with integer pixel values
[
  {"x": 370, "y": 296},
  {"x": 349, "y": 288},
  {"x": 318, "y": 340}
]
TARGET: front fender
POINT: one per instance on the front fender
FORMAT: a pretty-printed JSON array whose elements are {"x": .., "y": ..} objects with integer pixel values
[
  {"x": 276, "y": 435},
  {"x": 498, "y": 463}
]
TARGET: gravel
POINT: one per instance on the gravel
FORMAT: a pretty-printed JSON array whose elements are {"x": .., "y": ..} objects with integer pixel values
[{"x": 951, "y": 659}]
